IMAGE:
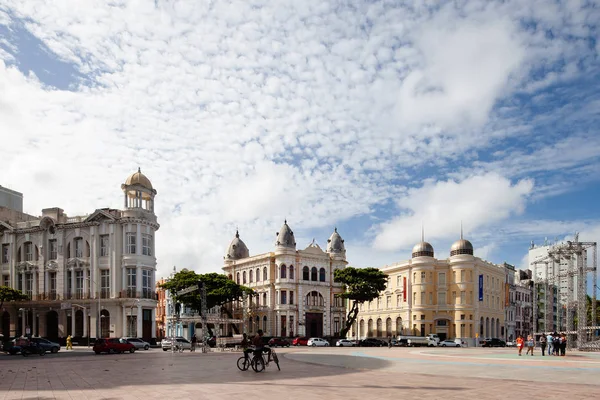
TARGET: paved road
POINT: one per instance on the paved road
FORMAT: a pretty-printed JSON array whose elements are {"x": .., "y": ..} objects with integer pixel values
[{"x": 322, "y": 373}]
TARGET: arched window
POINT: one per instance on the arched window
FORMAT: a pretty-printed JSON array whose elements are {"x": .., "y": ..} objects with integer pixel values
[
  {"x": 315, "y": 298},
  {"x": 322, "y": 275},
  {"x": 250, "y": 276},
  {"x": 379, "y": 327},
  {"x": 265, "y": 323},
  {"x": 283, "y": 271},
  {"x": 265, "y": 274},
  {"x": 291, "y": 275},
  {"x": 244, "y": 277},
  {"x": 361, "y": 328},
  {"x": 237, "y": 278},
  {"x": 370, "y": 328},
  {"x": 257, "y": 275},
  {"x": 388, "y": 327},
  {"x": 264, "y": 303},
  {"x": 313, "y": 274},
  {"x": 399, "y": 326},
  {"x": 305, "y": 274}
]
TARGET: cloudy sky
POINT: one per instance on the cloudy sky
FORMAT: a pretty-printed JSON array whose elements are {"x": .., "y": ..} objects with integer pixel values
[{"x": 377, "y": 117}]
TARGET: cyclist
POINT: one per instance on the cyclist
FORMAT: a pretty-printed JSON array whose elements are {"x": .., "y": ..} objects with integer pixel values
[{"x": 259, "y": 346}]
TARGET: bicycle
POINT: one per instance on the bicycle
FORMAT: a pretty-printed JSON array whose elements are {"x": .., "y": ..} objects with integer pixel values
[{"x": 257, "y": 362}]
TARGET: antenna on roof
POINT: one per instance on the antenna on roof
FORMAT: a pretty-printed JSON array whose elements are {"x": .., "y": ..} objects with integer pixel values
[
  {"x": 461, "y": 230},
  {"x": 422, "y": 232}
]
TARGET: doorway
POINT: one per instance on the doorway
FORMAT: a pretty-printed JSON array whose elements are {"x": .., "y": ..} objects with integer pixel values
[
  {"x": 52, "y": 325},
  {"x": 314, "y": 324}
]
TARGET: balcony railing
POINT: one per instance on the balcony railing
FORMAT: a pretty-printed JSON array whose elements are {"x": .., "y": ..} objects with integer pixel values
[{"x": 134, "y": 294}]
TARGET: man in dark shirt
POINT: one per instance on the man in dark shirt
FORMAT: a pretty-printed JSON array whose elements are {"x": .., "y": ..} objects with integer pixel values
[{"x": 259, "y": 346}]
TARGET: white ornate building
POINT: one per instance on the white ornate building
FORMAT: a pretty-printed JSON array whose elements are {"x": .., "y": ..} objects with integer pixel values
[
  {"x": 81, "y": 270},
  {"x": 295, "y": 288}
]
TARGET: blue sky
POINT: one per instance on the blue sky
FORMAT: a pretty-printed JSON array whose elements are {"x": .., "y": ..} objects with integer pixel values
[{"x": 378, "y": 118}]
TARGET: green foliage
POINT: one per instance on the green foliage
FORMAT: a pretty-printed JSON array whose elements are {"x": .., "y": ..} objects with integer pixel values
[
  {"x": 220, "y": 290},
  {"x": 10, "y": 294},
  {"x": 362, "y": 285}
]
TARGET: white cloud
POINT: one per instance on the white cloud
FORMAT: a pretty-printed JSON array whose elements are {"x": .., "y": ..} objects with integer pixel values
[{"x": 477, "y": 201}]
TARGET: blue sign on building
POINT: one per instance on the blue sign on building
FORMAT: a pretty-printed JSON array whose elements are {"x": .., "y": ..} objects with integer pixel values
[{"x": 480, "y": 287}]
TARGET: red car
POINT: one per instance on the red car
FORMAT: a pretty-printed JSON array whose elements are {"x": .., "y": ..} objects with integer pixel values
[
  {"x": 113, "y": 345},
  {"x": 300, "y": 341}
]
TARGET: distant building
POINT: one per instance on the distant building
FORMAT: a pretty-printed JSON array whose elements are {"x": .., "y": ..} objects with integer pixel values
[
  {"x": 462, "y": 296},
  {"x": 86, "y": 275},
  {"x": 161, "y": 310},
  {"x": 523, "y": 303},
  {"x": 510, "y": 303},
  {"x": 11, "y": 199}
]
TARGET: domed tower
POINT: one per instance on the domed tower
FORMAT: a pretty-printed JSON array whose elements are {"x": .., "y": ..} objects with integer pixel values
[
  {"x": 139, "y": 193},
  {"x": 335, "y": 245},
  {"x": 461, "y": 246},
  {"x": 422, "y": 249},
  {"x": 285, "y": 238},
  {"x": 237, "y": 249}
]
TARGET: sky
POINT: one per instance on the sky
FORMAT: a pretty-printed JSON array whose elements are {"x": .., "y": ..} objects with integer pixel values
[{"x": 380, "y": 118}]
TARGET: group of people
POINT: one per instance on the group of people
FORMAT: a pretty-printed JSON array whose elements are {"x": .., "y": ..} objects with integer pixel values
[
  {"x": 555, "y": 343},
  {"x": 255, "y": 346}
]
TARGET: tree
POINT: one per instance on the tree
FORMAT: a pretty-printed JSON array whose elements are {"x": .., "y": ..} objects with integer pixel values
[
  {"x": 220, "y": 290},
  {"x": 10, "y": 294},
  {"x": 362, "y": 285}
]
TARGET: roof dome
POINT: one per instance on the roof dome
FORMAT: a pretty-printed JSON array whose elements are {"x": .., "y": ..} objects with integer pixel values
[
  {"x": 461, "y": 246},
  {"x": 237, "y": 249},
  {"x": 137, "y": 178},
  {"x": 285, "y": 237},
  {"x": 422, "y": 249},
  {"x": 335, "y": 243}
]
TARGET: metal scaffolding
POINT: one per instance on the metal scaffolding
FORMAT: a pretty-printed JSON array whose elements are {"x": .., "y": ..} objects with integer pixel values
[{"x": 571, "y": 313}]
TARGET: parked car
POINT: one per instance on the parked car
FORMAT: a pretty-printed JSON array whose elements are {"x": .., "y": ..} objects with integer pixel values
[
  {"x": 300, "y": 341},
  {"x": 46, "y": 344},
  {"x": 344, "y": 343},
  {"x": 492, "y": 342},
  {"x": 180, "y": 341},
  {"x": 113, "y": 345},
  {"x": 317, "y": 342},
  {"x": 138, "y": 343},
  {"x": 281, "y": 342},
  {"x": 10, "y": 347},
  {"x": 449, "y": 343},
  {"x": 371, "y": 342}
]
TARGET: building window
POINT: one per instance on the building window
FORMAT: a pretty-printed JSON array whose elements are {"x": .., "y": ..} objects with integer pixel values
[
  {"x": 237, "y": 278},
  {"x": 442, "y": 279},
  {"x": 28, "y": 251},
  {"x": 422, "y": 298},
  {"x": 29, "y": 283},
  {"x": 462, "y": 275},
  {"x": 313, "y": 274},
  {"x": 442, "y": 298},
  {"x": 264, "y": 300},
  {"x": 103, "y": 245},
  {"x": 5, "y": 251},
  {"x": 282, "y": 271},
  {"x": 336, "y": 325},
  {"x": 454, "y": 277},
  {"x": 105, "y": 283},
  {"x": 322, "y": 275},
  {"x": 291, "y": 275},
  {"x": 283, "y": 297},
  {"x": 305, "y": 274},
  {"x": 414, "y": 298},
  {"x": 388, "y": 302},
  {"x": 79, "y": 284},
  {"x": 398, "y": 300},
  {"x": 69, "y": 284},
  {"x": 131, "y": 238},
  {"x": 6, "y": 280},
  {"x": 250, "y": 276},
  {"x": 131, "y": 282},
  {"x": 78, "y": 247},
  {"x": 453, "y": 298},
  {"x": 147, "y": 287},
  {"x": 147, "y": 245},
  {"x": 291, "y": 297},
  {"x": 430, "y": 298},
  {"x": 264, "y": 273},
  {"x": 257, "y": 274},
  {"x": 52, "y": 283},
  {"x": 53, "y": 248},
  {"x": 244, "y": 277},
  {"x": 422, "y": 277},
  {"x": 314, "y": 298},
  {"x": 463, "y": 297}
]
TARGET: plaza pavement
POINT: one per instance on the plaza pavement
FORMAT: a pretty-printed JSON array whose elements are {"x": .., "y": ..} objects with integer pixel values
[{"x": 313, "y": 373}]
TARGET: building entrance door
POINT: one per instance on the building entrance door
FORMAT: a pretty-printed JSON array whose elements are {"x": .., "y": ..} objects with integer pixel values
[{"x": 314, "y": 324}]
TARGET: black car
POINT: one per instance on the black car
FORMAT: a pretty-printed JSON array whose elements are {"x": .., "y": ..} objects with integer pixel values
[
  {"x": 493, "y": 342},
  {"x": 281, "y": 342},
  {"x": 371, "y": 342}
]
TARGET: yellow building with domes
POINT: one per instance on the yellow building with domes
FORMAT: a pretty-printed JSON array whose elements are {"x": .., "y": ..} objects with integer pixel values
[{"x": 461, "y": 296}]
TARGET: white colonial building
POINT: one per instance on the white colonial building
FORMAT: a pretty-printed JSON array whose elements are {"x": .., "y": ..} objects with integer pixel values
[
  {"x": 296, "y": 292},
  {"x": 85, "y": 276}
]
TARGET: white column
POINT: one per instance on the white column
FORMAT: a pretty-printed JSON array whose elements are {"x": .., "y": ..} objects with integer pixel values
[
  {"x": 24, "y": 282},
  {"x": 139, "y": 329},
  {"x": 72, "y": 321},
  {"x": 138, "y": 238},
  {"x": 85, "y": 322},
  {"x": 125, "y": 199},
  {"x": 153, "y": 335}
]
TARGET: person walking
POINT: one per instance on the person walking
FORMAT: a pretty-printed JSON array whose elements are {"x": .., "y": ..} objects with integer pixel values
[
  {"x": 194, "y": 341},
  {"x": 543, "y": 342},
  {"x": 520, "y": 344},
  {"x": 530, "y": 344},
  {"x": 549, "y": 339},
  {"x": 556, "y": 344},
  {"x": 69, "y": 343},
  {"x": 389, "y": 343},
  {"x": 563, "y": 344}
]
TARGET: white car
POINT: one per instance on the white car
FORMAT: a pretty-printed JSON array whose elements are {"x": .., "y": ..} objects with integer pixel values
[
  {"x": 344, "y": 343},
  {"x": 449, "y": 343},
  {"x": 180, "y": 342},
  {"x": 317, "y": 342},
  {"x": 138, "y": 343}
]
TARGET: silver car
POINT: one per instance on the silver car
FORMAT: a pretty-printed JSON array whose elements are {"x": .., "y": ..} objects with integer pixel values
[
  {"x": 138, "y": 343},
  {"x": 181, "y": 344}
]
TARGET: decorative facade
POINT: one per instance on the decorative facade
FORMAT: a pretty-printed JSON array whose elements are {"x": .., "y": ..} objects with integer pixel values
[
  {"x": 296, "y": 291},
  {"x": 85, "y": 276},
  {"x": 459, "y": 297}
]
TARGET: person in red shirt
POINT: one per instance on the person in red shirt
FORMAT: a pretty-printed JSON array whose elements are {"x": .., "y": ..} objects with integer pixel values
[{"x": 520, "y": 344}]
